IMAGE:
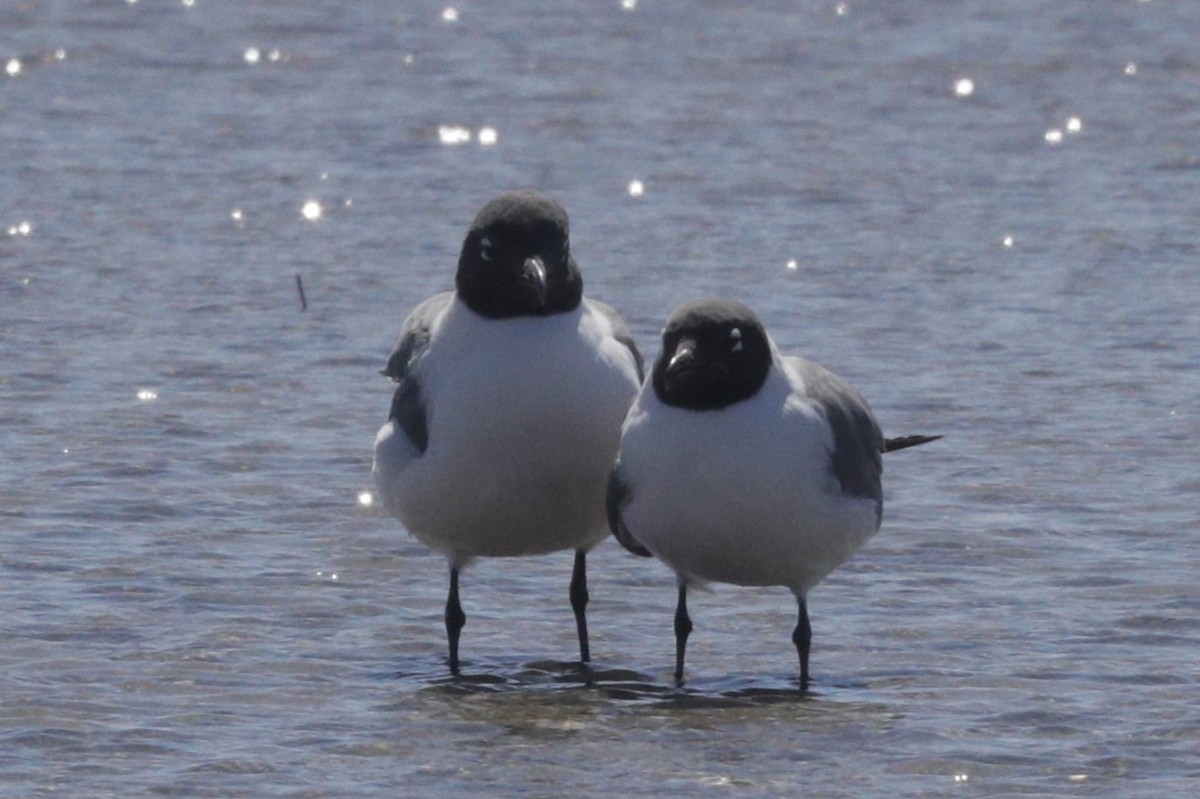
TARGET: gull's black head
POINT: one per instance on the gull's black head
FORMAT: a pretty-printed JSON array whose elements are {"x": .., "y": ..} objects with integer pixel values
[
  {"x": 516, "y": 259},
  {"x": 714, "y": 353}
]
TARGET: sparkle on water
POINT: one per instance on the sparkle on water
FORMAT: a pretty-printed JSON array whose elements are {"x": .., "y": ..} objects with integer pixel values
[
  {"x": 312, "y": 210},
  {"x": 452, "y": 135},
  {"x": 254, "y": 55}
]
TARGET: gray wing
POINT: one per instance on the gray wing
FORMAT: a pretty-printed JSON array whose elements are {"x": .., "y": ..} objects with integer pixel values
[
  {"x": 618, "y": 496},
  {"x": 414, "y": 336},
  {"x": 407, "y": 407},
  {"x": 621, "y": 333},
  {"x": 858, "y": 443}
]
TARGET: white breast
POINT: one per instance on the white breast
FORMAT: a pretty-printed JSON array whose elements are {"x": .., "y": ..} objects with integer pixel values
[
  {"x": 524, "y": 422},
  {"x": 744, "y": 494}
]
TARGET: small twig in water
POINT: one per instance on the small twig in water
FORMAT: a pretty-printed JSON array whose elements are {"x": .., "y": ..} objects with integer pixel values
[{"x": 300, "y": 288}]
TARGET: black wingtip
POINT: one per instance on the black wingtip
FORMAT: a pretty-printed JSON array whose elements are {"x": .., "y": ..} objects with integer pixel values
[
  {"x": 618, "y": 495},
  {"x": 904, "y": 442},
  {"x": 395, "y": 369},
  {"x": 631, "y": 544}
]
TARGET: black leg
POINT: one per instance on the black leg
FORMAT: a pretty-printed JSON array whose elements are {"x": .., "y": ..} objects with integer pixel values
[
  {"x": 579, "y": 600},
  {"x": 802, "y": 638},
  {"x": 683, "y": 628},
  {"x": 455, "y": 619}
]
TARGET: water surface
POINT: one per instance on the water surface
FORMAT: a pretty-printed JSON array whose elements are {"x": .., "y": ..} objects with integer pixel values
[{"x": 198, "y": 599}]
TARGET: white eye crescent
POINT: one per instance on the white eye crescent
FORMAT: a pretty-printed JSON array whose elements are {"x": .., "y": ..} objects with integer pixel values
[
  {"x": 735, "y": 340},
  {"x": 485, "y": 248}
]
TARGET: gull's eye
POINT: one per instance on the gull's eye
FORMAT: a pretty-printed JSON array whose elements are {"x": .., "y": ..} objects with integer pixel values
[
  {"x": 735, "y": 340},
  {"x": 485, "y": 248}
]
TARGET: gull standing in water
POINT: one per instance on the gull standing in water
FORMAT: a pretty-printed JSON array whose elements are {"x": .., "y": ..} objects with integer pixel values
[
  {"x": 507, "y": 414},
  {"x": 741, "y": 465}
]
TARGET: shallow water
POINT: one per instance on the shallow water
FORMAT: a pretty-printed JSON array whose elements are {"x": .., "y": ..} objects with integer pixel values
[{"x": 198, "y": 601}]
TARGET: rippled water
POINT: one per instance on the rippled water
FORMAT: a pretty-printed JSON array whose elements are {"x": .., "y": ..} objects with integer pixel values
[{"x": 984, "y": 214}]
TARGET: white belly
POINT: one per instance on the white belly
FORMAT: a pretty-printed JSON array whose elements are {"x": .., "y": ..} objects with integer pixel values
[
  {"x": 743, "y": 495},
  {"x": 524, "y": 424}
]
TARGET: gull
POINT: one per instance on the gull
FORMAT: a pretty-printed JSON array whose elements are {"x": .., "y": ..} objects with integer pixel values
[
  {"x": 741, "y": 465},
  {"x": 507, "y": 414}
]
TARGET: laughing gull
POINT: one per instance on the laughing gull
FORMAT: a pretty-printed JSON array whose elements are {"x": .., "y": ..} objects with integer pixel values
[
  {"x": 507, "y": 416},
  {"x": 740, "y": 465}
]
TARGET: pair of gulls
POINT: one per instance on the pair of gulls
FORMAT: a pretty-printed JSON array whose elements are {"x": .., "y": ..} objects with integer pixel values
[{"x": 522, "y": 425}]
